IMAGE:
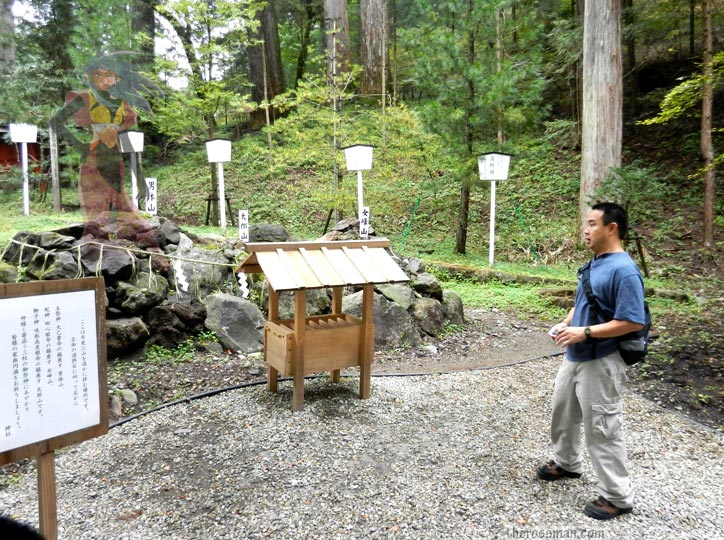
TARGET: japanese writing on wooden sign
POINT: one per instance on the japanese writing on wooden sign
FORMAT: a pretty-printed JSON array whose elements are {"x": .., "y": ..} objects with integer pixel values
[{"x": 50, "y": 381}]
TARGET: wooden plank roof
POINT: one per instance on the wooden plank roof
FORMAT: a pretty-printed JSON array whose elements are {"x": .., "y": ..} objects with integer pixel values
[{"x": 290, "y": 266}]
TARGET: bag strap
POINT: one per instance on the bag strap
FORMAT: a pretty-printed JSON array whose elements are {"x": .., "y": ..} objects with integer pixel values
[{"x": 585, "y": 275}]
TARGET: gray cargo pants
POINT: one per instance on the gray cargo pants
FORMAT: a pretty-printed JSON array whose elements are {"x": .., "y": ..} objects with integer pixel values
[{"x": 590, "y": 392}]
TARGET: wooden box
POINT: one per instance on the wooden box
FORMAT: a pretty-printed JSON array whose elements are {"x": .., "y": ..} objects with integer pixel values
[{"x": 331, "y": 342}]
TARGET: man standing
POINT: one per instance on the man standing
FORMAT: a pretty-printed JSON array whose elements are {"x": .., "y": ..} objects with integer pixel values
[{"x": 590, "y": 381}]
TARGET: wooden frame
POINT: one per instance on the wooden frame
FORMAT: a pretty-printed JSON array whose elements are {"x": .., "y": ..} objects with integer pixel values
[
  {"x": 332, "y": 342},
  {"x": 44, "y": 449}
]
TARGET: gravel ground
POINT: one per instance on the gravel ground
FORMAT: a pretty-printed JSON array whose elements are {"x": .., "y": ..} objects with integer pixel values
[{"x": 441, "y": 456}]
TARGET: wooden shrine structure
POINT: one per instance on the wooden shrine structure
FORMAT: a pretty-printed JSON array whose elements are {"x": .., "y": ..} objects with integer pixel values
[{"x": 304, "y": 345}]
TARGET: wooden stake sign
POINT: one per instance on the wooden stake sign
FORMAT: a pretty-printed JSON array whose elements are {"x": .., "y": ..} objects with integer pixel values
[{"x": 53, "y": 386}]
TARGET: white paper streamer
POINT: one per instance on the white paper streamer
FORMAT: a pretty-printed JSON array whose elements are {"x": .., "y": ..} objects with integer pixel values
[
  {"x": 243, "y": 284},
  {"x": 180, "y": 277}
]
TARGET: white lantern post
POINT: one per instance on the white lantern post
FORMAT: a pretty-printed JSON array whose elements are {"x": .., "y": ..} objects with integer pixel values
[
  {"x": 23, "y": 134},
  {"x": 219, "y": 152},
  {"x": 359, "y": 158},
  {"x": 131, "y": 142},
  {"x": 493, "y": 166}
]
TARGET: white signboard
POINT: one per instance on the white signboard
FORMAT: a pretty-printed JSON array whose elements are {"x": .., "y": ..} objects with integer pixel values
[
  {"x": 364, "y": 222},
  {"x": 152, "y": 196},
  {"x": 49, "y": 367},
  {"x": 494, "y": 166},
  {"x": 244, "y": 225}
]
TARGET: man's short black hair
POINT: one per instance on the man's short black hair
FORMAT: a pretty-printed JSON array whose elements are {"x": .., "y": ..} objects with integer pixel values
[{"x": 614, "y": 213}]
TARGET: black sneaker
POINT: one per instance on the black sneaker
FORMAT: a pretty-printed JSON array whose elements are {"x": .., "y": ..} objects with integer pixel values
[
  {"x": 603, "y": 509},
  {"x": 551, "y": 471}
]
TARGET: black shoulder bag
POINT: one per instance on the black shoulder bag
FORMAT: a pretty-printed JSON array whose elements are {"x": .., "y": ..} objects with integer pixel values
[{"x": 632, "y": 346}]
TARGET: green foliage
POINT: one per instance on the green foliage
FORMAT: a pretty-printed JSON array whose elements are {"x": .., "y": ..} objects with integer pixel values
[
  {"x": 184, "y": 352},
  {"x": 637, "y": 188}
]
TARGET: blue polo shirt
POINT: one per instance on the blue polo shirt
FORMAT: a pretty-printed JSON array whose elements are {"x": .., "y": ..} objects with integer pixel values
[{"x": 619, "y": 289}]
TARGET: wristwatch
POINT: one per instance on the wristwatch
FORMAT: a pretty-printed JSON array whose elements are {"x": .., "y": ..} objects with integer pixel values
[{"x": 587, "y": 331}]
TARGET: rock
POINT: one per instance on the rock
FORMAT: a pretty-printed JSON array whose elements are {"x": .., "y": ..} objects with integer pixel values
[
  {"x": 8, "y": 273},
  {"x": 129, "y": 396},
  {"x": 129, "y": 226},
  {"x": 203, "y": 277},
  {"x": 169, "y": 232},
  {"x": 54, "y": 240},
  {"x": 238, "y": 323},
  {"x": 167, "y": 329},
  {"x": 174, "y": 322},
  {"x": 428, "y": 315},
  {"x": 189, "y": 311},
  {"x": 414, "y": 266},
  {"x": 427, "y": 285},
  {"x": 398, "y": 293},
  {"x": 116, "y": 406},
  {"x": 123, "y": 335},
  {"x": 318, "y": 302},
  {"x": 22, "y": 248},
  {"x": 267, "y": 232},
  {"x": 113, "y": 263},
  {"x": 394, "y": 327},
  {"x": 141, "y": 294},
  {"x": 54, "y": 265},
  {"x": 75, "y": 230},
  {"x": 214, "y": 348},
  {"x": 452, "y": 306}
]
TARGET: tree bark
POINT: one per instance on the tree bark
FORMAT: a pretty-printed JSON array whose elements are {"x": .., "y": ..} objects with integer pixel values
[
  {"x": 707, "y": 148},
  {"x": 336, "y": 36},
  {"x": 144, "y": 21},
  {"x": 311, "y": 16},
  {"x": 7, "y": 36},
  {"x": 461, "y": 236},
  {"x": 265, "y": 65},
  {"x": 632, "y": 74},
  {"x": 372, "y": 22},
  {"x": 602, "y": 98}
]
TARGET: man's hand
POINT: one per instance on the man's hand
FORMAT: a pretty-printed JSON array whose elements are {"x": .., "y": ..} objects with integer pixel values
[{"x": 567, "y": 335}]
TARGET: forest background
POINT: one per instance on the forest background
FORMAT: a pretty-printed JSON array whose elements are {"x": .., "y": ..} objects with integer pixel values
[{"x": 432, "y": 85}]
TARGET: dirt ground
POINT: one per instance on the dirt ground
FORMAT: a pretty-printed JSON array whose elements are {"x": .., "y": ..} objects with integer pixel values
[{"x": 689, "y": 380}]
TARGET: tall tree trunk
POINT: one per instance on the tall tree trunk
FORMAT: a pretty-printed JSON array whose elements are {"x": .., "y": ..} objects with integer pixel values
[
  {"x": 144, "y": 21},
  {"x": 265, "y": 65},
  {"x": 692, "y": 27},
  {"x": 707, "y": 148},
  {"x": 55, "y": 41},
  {"x": 7, "y": 36},
  {"x": 311, "y": 16},
  {"x": 372, "y": 23},
  {"x": 602, "y": 98},
  {"x": 632, "y": 74},
  {"x": 461, "y": 236},
  {"x": 336, "y": 36}
]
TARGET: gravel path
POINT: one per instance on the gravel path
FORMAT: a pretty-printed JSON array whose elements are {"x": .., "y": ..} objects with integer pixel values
[{"x": 434, "y": 457}]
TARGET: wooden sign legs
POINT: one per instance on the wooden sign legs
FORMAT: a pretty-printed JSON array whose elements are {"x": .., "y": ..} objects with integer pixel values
[{"x": 47, "y": 496}]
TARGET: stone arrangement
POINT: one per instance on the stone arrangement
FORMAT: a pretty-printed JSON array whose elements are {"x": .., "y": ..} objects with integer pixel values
[{"x": 164, "y": 285}]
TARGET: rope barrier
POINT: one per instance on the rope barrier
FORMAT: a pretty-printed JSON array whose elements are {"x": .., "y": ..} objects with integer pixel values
[{"x": 177, "y": 260}]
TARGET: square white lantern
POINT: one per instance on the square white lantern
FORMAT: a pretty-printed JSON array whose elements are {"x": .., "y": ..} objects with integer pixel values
[
  {"x": 494, "y": 166},
  {"x": 130, "y": 141},
  {"x": 358, "y": 157},
  {"x": 23, "y": 133},
  {"x": 218, "y": 150}
]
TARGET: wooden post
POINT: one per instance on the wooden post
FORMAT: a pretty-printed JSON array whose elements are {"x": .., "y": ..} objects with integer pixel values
[
  {"x": 337, "y": 293},
  {"x": 366, "y": 342},
  {"x": 47, "y": 496},
  {"x": 300, "y": 322},
  {"x": 272, "y": 373},
  {"x": 54, "y": 168}
]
